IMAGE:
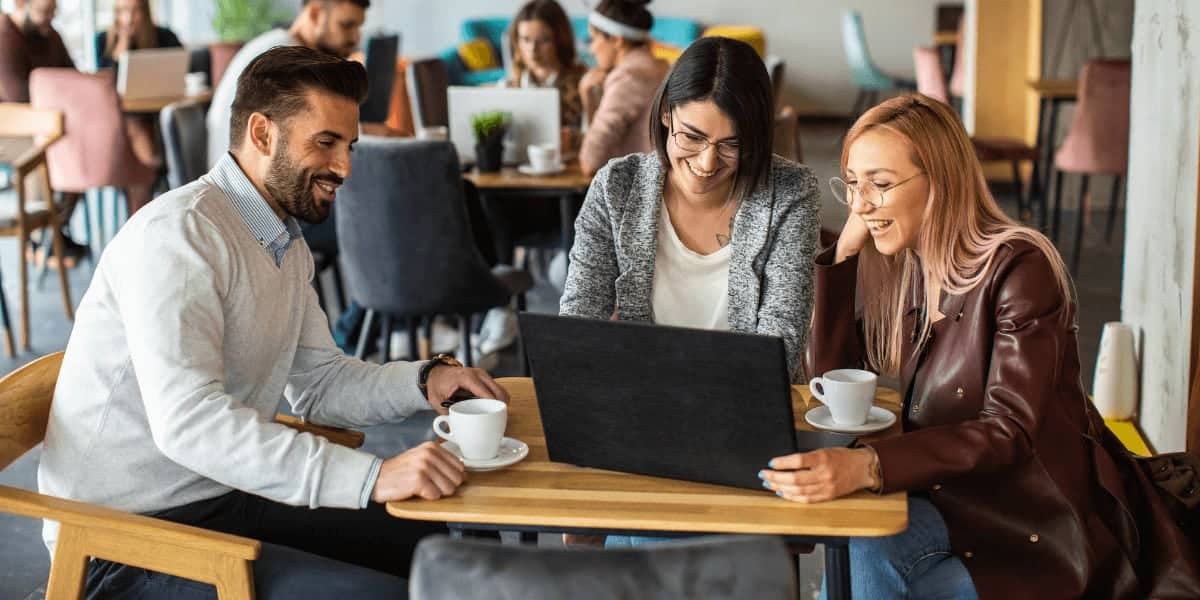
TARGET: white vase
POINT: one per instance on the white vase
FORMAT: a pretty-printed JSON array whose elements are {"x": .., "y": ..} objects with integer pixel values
[{"x": 1115, "y": 387}]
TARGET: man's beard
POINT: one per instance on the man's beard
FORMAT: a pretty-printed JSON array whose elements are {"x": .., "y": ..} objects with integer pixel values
[
  {"x": 292, "y": 187},
  {"x": 323, "y": 45}
]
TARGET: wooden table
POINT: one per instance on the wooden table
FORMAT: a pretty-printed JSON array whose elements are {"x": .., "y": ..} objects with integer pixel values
[
  {"x": 1052, "y": 94},
  {"x": 155, "y": 105},
  {"x": 537, "y": 495},
  {"x": 567, "y": 186}
]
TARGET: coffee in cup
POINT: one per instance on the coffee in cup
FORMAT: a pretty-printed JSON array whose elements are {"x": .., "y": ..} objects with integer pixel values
[
  {"x": 543, "y": 157},
  {"x": 848, "y": 393},
  {"x": 476, "y": 426}
]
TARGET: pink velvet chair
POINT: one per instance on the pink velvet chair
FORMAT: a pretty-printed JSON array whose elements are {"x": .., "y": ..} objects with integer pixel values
[
  {"x": 95, "y": 151},
  {"x": 1097, "y": 142},
  {"x": 988, "y": 149}
]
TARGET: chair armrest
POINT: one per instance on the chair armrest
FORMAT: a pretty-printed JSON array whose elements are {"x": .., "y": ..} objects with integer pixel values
[
  {"x": 115, "y": 523},
  {"x": 343, "y": 437},
  {"x": 35, "y": 155}
]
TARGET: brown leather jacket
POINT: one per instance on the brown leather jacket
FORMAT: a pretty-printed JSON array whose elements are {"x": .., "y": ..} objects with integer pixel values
[{"x": 1039, "y": 499}]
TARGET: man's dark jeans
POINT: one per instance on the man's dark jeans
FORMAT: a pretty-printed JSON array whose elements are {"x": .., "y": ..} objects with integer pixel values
[{"x": 306, "y": 553}]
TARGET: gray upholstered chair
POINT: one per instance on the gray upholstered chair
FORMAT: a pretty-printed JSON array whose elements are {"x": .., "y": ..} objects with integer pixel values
[
  {"x": 185, "y": 142},
  {"x": 406, "y": 242},
  {"x": 712, "y": 568}
]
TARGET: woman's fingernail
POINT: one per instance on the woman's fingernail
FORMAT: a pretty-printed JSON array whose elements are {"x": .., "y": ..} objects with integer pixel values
[
  {"x": 762, "y": 474},
  {"x": 767, "y": 484},
  {"x": 780, "y": 494},
  {"x": 771, "y": 463}
]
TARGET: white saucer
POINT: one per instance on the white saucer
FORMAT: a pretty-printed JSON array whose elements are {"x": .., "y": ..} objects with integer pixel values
[
  {"x": 527, "y": 169},
  {"x": 511, "y": 453},
  {"x": 877, "y": 420}
]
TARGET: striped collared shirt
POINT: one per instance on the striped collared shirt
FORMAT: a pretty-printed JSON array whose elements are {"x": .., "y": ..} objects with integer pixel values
[{"x": 274, "y": 235}]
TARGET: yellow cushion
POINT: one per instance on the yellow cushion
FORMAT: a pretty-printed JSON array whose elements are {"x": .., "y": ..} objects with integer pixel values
[
  {"x": 1129, "y": 435},
  {"x": 751, "y": 35},
  {"x": 666, "y": 52},
  {"x": 478, "y": 55}
]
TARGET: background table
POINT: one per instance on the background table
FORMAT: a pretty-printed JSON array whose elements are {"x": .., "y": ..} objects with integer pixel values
[
  {"x": 1052, "y": 94},
  {"x": 566, "y": 186},
  {"x": 537, "y": 495},
  {"x": 155, "y": 105}
]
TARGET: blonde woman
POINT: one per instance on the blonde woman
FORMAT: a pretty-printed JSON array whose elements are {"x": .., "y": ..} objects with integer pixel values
[
  {"x": 132, "y": 29},
  {"x": 1016, "y": 489}
]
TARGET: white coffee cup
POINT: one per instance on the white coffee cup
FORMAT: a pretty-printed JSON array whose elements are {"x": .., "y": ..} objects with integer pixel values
[
  {"x": 193, "y": 83},
  {"x": 848, "y": 393},
  {"x": 477, "y": 426},
  {"x": 436, "y": 133},
  {"x": 543, "y": 157}
]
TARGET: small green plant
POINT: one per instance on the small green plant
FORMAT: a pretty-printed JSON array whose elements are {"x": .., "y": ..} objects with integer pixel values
[
  {"x": 490, "y": 126},
  {"x": 241, "y": 20}
]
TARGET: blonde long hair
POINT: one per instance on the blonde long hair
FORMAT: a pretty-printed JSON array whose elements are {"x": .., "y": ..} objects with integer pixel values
[
  {"x": 962, "y": 228},
  {"x": 146, "y": 36}
]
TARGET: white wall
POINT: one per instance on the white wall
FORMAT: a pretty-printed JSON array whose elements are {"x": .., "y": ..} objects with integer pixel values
[
  {"x": 1161, "y": 221},
  {"x": 806, "y": 33}
]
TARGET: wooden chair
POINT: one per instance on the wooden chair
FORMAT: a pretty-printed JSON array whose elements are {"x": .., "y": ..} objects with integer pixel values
[
  {"x": 25, "y": 134},
  {"x": 87, "y": 530}
]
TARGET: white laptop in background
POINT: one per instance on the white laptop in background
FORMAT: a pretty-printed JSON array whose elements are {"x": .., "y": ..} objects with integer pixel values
[
  {"x": 152, "y": 73},
  {"x": 535, "y": 118}
]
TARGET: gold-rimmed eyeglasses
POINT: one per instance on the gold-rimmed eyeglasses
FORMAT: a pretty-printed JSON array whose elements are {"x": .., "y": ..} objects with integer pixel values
[{"x": 847, "y": 193}]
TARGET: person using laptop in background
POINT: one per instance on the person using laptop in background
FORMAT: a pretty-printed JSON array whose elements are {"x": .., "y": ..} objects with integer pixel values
[
  {"x": 710, "y": 231},
  {"x": 617, "y": 93},
  {"x": 200, "y": 319},
  {"x": 133, "y": 29},
  {"x": 1016, "y": 487}
]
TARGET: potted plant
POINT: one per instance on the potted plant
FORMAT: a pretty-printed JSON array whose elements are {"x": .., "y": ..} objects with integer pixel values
[
  {"x": 241, "y": 20},
  {"x": 490, "y": 128}
]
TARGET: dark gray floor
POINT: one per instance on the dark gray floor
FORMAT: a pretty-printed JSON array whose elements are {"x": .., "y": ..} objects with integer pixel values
[{"x": 23, "y": 559}]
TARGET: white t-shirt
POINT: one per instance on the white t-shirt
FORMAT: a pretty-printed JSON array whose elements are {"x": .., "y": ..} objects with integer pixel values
[{"x": 690, "y": 289}]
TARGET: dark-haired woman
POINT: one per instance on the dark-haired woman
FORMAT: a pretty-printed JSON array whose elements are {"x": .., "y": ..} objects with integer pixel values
[
  {"x": 617, "y": 93},
  {"x": 709, "y": 231}
]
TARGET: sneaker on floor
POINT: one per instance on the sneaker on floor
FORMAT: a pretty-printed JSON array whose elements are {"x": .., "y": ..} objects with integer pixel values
[
  {"x": 445, "y": 341},
  {"x": 499, "y": 330}
]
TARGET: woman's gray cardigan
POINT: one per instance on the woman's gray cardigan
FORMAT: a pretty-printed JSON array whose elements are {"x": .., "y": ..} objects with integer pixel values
[{"x": 770, "y": 268}]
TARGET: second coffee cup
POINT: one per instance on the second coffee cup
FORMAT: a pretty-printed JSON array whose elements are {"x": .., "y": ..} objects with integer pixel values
[
  {"x": 476, "y": 426},
  {"x": 848, "y": 393}
]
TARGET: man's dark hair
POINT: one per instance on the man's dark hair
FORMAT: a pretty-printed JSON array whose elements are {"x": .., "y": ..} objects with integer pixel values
[
  {"x": 731, "y": 74},
  {"x": 275, "y": 84},
  {"x": 363, "y": 3}
]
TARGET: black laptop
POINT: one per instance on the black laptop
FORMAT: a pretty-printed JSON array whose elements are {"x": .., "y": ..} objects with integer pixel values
[{"x": 709, "y": 406}]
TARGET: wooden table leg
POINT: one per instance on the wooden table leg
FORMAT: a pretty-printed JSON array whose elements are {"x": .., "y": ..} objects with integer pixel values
[{"x": 837, "y": 570}]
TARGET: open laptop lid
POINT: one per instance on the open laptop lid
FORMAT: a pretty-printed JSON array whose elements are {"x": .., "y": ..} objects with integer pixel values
[
  {"x": 152, "y": 73},
  {"x": 690, "y": 404}
]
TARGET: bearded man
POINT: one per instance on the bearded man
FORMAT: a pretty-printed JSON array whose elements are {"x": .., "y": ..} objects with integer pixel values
[{"x": 200, "y": 317}]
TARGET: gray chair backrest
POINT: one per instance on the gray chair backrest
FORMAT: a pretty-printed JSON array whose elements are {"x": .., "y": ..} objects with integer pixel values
[
  {"x": 427, "y": 82},
  {"x": 726, "y": 568},
  {"x": 185, "y": 142},
  {"x": 381, "y": 74},
  {"x": 403, "y": 232}
]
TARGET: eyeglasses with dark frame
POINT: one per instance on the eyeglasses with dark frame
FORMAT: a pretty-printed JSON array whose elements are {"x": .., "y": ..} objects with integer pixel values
[
  {"x": 871, "y": 193},
  {"x": 690, "y": 142}
]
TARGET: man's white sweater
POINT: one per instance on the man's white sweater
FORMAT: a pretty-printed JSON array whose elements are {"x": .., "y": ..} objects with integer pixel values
[{"x": 185, "y": 342}]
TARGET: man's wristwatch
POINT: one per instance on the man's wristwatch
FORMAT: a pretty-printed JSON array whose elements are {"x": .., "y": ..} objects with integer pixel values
[{"x": 427, "y": 368}]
